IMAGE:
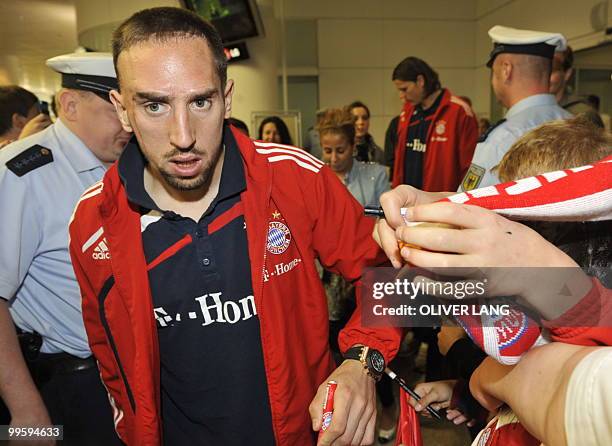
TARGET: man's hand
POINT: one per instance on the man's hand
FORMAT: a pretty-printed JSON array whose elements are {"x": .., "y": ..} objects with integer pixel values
[
  {"x": 392, "y": 202},
  {"x": 354, "y": 418},
  {"x": 35, "y": 125},
  {"x": 447, "y": 336}
]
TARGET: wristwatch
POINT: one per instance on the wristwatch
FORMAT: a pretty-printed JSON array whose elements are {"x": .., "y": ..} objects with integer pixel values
[{"x": 372, "y": 360}]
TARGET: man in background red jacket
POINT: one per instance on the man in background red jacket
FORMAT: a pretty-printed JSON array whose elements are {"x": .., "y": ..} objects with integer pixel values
[{"x": 437, "y": 132}]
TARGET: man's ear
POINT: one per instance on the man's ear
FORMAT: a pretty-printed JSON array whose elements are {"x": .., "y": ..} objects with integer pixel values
[
  {"x": 507, "y": 70},
  {"x": 68, "y": 101},
  {"x": 18, "y": 121},
  {"x": 117, "y": 101},
  {"x": 229, "y": 92},
  {"x": 420, "y": 81}
]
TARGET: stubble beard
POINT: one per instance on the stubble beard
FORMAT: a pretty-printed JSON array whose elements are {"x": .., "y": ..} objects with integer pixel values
[{"x": 193, "y": 183}]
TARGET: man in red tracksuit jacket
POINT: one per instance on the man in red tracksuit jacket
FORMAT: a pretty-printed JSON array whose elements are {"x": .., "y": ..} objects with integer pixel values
[
  {"x": 436, "y": 133},
  {"x": 195, "y": 257}
]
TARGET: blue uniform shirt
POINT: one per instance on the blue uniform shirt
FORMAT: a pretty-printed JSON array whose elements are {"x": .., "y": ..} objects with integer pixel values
[
  {"x": 523, "y": 116},
  {"x": 366, "y": 182},
  {"x": 36, "y": 274}
]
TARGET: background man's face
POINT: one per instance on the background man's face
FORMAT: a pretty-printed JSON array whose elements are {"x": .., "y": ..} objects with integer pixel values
[
  {"x": 100, "y": 128},
  {"x": 409, "y": 91},
  {"x": 175, "y": 106}
]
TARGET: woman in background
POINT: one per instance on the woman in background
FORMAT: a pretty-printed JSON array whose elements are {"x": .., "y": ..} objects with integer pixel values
[
  {"x": 365, "y": 181},
  {"x": 367, "y": 149},
  {"x": 274, "y": 129}
]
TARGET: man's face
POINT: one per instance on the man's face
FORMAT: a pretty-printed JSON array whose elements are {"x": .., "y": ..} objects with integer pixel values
[
  {"x": 100, "y": 128},
  {"x": 410, "y": 91},
  {"x": 171, "y": 98}
]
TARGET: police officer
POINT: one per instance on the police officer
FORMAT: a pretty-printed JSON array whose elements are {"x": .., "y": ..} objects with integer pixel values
[
  {"x": 521, "y": 65},
  {"x": 41, "y": 180}
]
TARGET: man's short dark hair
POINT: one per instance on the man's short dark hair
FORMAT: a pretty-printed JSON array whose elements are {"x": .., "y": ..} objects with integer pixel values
[
  {"x": 359, "y": 104},
  {"x": 164, "y": 23},
  {"x": 411, "y": 67},
  {"x": 14, "y": 99}
]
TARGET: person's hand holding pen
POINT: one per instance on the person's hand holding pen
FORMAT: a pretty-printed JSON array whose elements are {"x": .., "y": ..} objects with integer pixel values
[
  {"x": 391, "y": 202},
  {"x": 438, "y": 394},
  {"x": 354, "y": 417}
]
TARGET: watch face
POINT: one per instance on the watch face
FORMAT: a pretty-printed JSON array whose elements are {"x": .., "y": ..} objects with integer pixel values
[{"x": 377, "y": 361}]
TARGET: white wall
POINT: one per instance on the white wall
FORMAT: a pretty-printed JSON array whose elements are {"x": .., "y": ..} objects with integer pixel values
[{"x": 360, "y": 42}]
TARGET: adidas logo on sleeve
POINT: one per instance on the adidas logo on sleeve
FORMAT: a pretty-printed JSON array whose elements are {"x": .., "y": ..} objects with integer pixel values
[{"x": 101, "y": 252}]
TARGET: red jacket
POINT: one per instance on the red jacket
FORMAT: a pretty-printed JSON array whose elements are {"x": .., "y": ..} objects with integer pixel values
[
  {"x": 324, "y": 221},
  {"x": 451, "y": 140}
]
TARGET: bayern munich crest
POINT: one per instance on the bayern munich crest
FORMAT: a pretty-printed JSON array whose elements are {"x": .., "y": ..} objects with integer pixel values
[
  {"x": 510, "y": 328},
  {"x": 441, "y": 127},
  {"x": 279, "y": 237}
]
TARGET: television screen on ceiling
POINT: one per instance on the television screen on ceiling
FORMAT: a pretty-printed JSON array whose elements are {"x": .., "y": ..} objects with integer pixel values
[{"x": 233, "y": 19}]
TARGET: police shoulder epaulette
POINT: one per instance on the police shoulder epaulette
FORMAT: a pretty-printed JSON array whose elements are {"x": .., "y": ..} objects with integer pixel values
[{"x": 30, "y": 159}]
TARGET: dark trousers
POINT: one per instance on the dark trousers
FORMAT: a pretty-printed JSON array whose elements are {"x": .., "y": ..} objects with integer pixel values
[{"x": 78, "y": 401}]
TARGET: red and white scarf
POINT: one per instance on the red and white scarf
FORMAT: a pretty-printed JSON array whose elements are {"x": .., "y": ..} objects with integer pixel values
[{"x": 578, "y": 194}]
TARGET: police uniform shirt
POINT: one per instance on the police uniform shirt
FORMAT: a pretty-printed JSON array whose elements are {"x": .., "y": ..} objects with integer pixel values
[
  {"x": 41, "y": 179},
  {"x": 521, "y": 117},
  {"x": 366, "y": 182},
  {"x": 213, "y": 384}
]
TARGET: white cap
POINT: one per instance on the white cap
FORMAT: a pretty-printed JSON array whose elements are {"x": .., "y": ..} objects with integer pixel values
[
  {"x": 93, "y": 72},
  {"x": 525, "y": 41},
  {"x": 93, "y": 64}
]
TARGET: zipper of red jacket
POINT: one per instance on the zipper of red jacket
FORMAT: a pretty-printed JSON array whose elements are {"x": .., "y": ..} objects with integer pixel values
[
  {"x": 104, "y": 292},
  {"x": 260, "y": 309}
]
